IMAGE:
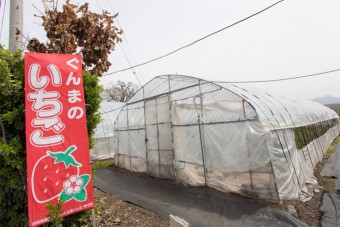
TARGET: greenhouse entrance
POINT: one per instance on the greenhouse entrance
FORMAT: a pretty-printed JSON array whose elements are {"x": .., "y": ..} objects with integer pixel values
[{"x": 159, "y": 151}]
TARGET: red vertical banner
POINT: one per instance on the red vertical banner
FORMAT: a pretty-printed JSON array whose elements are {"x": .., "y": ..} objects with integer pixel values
[{"x": 58, "y": 158}]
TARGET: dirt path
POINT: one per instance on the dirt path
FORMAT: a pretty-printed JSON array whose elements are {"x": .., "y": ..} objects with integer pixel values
[{"x": 113, "y": 211}]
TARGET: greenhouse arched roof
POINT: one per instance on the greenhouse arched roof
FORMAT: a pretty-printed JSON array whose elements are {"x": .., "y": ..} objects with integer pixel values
[
  {"x": 225, "y": 136},
  {"x": 274, "y": 112}
]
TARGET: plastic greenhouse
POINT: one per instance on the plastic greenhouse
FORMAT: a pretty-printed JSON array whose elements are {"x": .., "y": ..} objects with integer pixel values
[
  {"x": 224, "y": 136},
  {"x": 103, "y": 134}
]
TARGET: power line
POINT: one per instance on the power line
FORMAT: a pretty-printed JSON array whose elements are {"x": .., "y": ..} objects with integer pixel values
[
  {"x": 127, "y": 43},
  {"x": 126, "y": 57},
  {"x": 99, "y": 5},
  {"x": 196, "y": 41},
  {"x": 106, "y": 82},
  {"x": 281, "y": 79}
]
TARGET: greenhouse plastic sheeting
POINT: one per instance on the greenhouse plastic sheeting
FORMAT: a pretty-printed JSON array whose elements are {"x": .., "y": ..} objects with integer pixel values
[
  {"x": 103, "y": 148},
  {"x": 224, "y": 136},
  {"x": 103, "y": 134},
  {"x": 277, "y": 112}
]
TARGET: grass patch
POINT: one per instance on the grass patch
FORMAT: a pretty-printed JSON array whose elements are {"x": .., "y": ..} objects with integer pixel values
[
  {"x": 102, "y": 164},
  {"x": 327, "y": 183}
]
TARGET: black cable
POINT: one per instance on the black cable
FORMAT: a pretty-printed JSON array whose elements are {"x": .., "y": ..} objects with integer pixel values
[
  {"x": 131, "y": 67},
  {"x": 196, "y": 41},
  {"x": 281, "y": 79},
  {"x": 126, "y": 57},
  {"x": 127, "y": 43}
]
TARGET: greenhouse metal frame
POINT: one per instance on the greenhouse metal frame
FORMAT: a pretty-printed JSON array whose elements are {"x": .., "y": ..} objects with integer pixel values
[{"x": 224, "y": 136}]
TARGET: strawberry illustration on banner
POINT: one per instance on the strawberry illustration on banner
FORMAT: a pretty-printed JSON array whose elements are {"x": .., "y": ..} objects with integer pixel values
[
  {"x": 71, "y": 184},
  {"x": 58, "y": 159}
]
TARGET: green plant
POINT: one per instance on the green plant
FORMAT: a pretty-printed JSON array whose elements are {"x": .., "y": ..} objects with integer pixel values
[
  {"x": 78, "y": 219},
  {"x": 55, "y": 213},
  {"x": 100, "y": 165},
  {"x": 304, "y": 135},
  {"x": 13, "y": 194},
  {"x": 75, "y": 220},
  {"x": 13, "y": 197},
  {"x": 73, "y": 29},
  {"x": 93, "y": 99}
]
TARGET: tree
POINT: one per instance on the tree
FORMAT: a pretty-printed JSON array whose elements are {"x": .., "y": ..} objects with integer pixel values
[
  {"x": 75, "y": 29},
  {"x": 120, "y": 91},
  {"x": 13, "y": 197}
]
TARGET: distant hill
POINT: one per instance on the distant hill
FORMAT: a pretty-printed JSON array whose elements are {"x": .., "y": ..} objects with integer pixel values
[{"x": 327, "y": 100}]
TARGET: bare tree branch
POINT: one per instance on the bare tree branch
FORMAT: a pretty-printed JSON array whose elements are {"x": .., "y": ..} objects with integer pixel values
[{"x": 120, "y": 92}]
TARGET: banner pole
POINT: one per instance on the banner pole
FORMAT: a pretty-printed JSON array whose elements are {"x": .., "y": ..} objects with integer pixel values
[{"x": 93, "y": 218}]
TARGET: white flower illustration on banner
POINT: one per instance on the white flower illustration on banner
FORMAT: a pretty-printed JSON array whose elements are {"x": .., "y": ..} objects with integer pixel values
[
  {"x": 74, "y": 188},
  {"x": 73, "y": 185}
]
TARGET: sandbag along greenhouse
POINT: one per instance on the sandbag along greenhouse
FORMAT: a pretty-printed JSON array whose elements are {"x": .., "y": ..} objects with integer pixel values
[{"x": 224, "y": 136}]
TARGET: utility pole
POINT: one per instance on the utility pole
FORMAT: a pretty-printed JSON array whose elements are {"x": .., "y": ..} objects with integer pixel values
[{"x": 15, "y": 22}]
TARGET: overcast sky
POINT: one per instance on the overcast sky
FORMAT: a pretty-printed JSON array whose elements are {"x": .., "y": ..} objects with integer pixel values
[{"x": 294, "y": 38}]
